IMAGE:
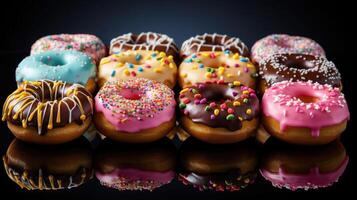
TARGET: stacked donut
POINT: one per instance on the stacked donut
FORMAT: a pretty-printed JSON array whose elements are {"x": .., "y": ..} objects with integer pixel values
[
  {"x": 136, "y": 102},
  {"x": 302, "y": 101},
  {"x": 53, "y": 102},
  {"x": 217, "y": 102}
]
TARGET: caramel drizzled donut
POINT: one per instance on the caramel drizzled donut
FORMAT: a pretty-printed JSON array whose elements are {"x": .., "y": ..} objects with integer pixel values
[
  {"x": 45, "y": 105},
  {"x": 213, "y": 42},
  {"x": 298, "y": 67},
  {"x": 144, "y": 41}
]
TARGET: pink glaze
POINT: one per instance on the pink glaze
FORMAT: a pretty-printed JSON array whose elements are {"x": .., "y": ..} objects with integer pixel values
[
  {"x": 131, "y": 174},
  {"x": 281, "y": 103},
  {"x": 283, "y": 43},
  {"x": 150, "y": 104},
  {"x": 88, "y": 44},
  {"x": 314, "y": 179}
]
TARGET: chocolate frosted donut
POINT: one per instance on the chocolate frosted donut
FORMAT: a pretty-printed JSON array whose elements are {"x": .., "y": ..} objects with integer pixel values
[
  {"x": 298, "y": 67},
  {"x": 213, "y": 42},
  {"x": 226, "y": 110},
  {"x": 44, "y": 106},
  {"x": 144, "y": 41}
]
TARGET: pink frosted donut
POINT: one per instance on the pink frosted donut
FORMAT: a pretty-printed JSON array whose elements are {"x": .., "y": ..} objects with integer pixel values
[
  {"x": 132, "y": 179},
  {"x": 304, "y": 112},
  {"x": 282, "y": 44},
  {"x": 135, "y": 110},
  {"x": 89, "y": 44}
]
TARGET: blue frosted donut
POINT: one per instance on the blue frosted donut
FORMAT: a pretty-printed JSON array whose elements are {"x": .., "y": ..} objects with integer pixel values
[{"x": 69, "y": 66}]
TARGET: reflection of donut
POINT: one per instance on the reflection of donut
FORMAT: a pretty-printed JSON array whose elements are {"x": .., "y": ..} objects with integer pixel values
[
  {"x": 213, "y": 42},
  {"x": 281, "y": 44},
  {"x": 218, "y": 167},
  {"x": 296, "y": 167},
  {"x": 126, "y": 65},
  {"x": 56, "y": 167},
  {"x": 135, "y": 167},
  {"x": 304, "y": 112},
  {"x": 147, "y": 41},
  {"x": 48, "y": 112},
  {"x": 89, "y": 44},
  {"x": 135, "y": 110},
  {"x": 297, "y": 67},
  {"x": 219, "y": 113},
  {"x": 67, "y": 66}
]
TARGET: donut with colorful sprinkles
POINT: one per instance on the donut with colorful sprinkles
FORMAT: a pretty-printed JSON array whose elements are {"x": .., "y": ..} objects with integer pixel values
[
  {"x": 213, "y": 42},
  {"x": 89, "y": 44},
  {"x": 219, "y": 113},
  {"x": 304, "y": 112},
  {"x": 224, "y": 67},
  {"x": 135, "y": 110},
  {"x": 130, "y": 64},
  {"x": 48, "y": 112},
  {"x": 283, "y": 44},
  {"x": 297, "y": 67}
]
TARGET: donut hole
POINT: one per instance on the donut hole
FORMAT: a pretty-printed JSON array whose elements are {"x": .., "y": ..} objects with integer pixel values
[
  {"x": 216, "y": 93},
  {"x": 54, "y": 61},
  {"x": 308, "y": 98},
  {"x": 299, "y": 64},
  {"x": 130, "y": 94}
]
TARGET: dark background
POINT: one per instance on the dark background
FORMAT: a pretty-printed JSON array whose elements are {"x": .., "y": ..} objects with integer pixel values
[{"x": 23, "y": 22}]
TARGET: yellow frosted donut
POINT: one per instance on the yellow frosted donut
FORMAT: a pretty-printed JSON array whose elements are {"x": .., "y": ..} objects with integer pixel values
[
  {"x": 131, "y": 64},
  {"x": 222, "y": 67}
]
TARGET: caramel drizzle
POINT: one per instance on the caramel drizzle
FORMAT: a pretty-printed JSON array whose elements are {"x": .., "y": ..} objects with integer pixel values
[
  {"x": 157, "y": 40},
  {"x": 27, "y": 96},
  {"x": 24, "y": 181}
]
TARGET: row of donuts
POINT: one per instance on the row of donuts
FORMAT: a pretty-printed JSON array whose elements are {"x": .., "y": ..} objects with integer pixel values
[
  {"x": 301, "y": 104},
  {"x": 201, "y": 165},
  {"x": 218, "y": 102}
]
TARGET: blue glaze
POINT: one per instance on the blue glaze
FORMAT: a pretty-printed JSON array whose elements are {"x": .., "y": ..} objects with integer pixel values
[{"x": 69, "y": 66}]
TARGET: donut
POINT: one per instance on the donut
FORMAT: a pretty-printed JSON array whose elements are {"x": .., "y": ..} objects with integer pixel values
[
  {"x": 49, "y": 167},
  {"x": 48, "y": 112},
  {"x": 68, "y": 66},
  {"x": 304, "y": 112},
  {"x": 140, "y": 167},
  {"x": 223, "y": 67},
  {"x": 152, "y": 65},
  {"x": 219, "y": 113},
  {"x": 213, "y": 42},
  {"x": 284, "y": 44},
  {"x": 88, "y": 44},
  {"x": 297, "y": 67},
  {"x": 135, "y": 110},
  {"x": 301, "y": 167},
  {"x": 229, "y": 167},
  {"x": 148, "y": 41}
]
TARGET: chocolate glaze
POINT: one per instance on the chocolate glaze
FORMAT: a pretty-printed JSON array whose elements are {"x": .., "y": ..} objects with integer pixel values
[
  {"x": 299, "y": 67},
  {"x": 145, "y": 41},
  {"x": 46, "y": 94},
  {"x": 219, "y": 94},
  {"x": 213, "y": 42}
]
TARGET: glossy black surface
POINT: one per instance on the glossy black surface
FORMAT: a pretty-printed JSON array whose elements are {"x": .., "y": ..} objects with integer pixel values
[{"x": 24, "y": 22}]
